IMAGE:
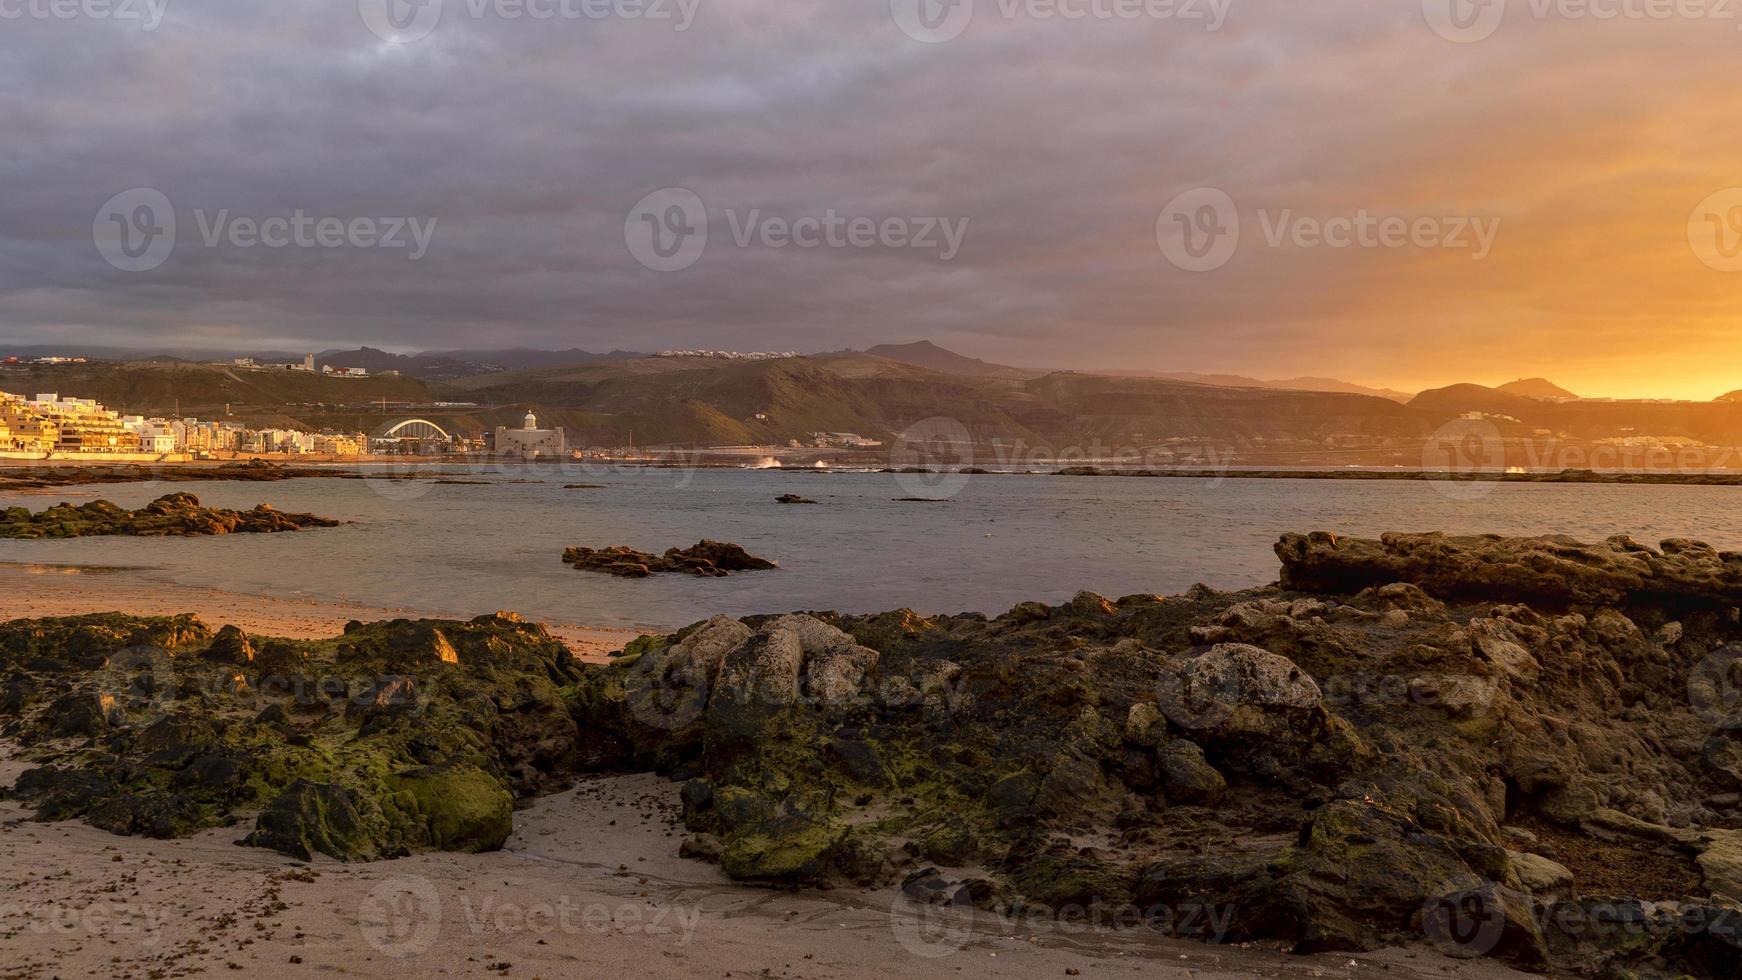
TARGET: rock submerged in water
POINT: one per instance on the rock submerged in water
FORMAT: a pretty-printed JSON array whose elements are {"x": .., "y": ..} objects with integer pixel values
[
  {"x": 172, "y": 515},
  {"x": 709, "y": 559}
]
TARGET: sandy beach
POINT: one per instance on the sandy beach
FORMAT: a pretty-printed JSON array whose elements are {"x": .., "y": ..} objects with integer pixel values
[
  {"x": 33, "y": 591},
  {"x": 589, "y": 885}
]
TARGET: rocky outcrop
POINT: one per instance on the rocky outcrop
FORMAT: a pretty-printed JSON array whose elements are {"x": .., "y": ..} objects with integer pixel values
[
  {"x": 394, "y": 738},
  {"x": 172, "y": 515},
  {"x": 1548, "y": 570},
  {"x": 1484, "y": 754},
  {"x": 714, "y": 559},
  {"x": 1551, "y": 777}
]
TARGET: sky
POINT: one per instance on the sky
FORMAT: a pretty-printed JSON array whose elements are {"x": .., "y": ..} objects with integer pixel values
[{"x": 1405, "y": 193}]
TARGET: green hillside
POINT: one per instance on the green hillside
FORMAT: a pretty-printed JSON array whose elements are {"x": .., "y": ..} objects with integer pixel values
[{"x": 204, "y": 390}]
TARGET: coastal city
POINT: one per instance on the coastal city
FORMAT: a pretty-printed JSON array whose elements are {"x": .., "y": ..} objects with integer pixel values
[
  {"x": 339, "y": 418},
  {"x": 50, "y": 424}
]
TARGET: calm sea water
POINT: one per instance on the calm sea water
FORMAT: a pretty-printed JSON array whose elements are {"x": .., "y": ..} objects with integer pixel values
[{"x": 464, "y": 550}]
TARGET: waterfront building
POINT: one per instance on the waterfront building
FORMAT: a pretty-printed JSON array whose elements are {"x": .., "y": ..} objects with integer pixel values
[
  {"x": 530, "y": 440},
  {"x": 83, "y": 426},
  {"x": 22, "y": 430}
]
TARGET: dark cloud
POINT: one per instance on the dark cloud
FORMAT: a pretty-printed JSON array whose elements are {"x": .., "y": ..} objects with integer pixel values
[{"x": 527, "y": 142}]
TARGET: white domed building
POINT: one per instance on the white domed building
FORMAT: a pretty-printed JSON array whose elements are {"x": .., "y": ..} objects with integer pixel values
[{"x": 530, "y": 440}]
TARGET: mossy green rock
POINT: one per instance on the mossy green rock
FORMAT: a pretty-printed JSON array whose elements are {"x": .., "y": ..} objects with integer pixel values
[
  {"x": 462, "y": 807},
  {"x": 318, "y": 818},
  {"x": 793, "y": 848},
  {"x": 394, "y": 738},
  {"x": 172, "y": 515}
]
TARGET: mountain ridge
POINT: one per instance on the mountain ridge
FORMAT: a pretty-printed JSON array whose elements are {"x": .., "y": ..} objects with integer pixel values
[{"x": 1538, "y": 388}]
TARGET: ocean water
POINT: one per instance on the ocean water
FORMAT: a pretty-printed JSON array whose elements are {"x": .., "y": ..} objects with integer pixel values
[{"x": 999, "y": 540}]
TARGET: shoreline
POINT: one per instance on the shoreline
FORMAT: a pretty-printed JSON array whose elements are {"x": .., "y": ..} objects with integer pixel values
[
  {"x": 35, "y": 590},
  {"x": 40, "y": 476},
  {"x": 589, "y": 884}
]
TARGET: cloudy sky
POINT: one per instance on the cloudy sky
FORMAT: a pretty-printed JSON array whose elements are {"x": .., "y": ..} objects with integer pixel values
[{"x": 1386, "y": 191}]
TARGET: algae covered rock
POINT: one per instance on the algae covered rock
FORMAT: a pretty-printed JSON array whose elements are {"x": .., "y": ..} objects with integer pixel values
[
  {"x": 396, "y": 737},
  {"x": 172, "y": 515},
  {"x": 1341, "y": 768},
  {"x": 463, "y": 808},
  {"x": 791, "y": 848},
  {"x": 708, "y": 559},
  {"x": 319, "y": 818}
]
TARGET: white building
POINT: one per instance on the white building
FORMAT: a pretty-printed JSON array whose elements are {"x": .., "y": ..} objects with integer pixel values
[{"x": 531, "y": 440}]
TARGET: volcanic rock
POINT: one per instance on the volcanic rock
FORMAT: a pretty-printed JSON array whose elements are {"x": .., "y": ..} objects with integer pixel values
[
  {"x": 172, "y": 515},
  {"x": 714, "y": 559}
]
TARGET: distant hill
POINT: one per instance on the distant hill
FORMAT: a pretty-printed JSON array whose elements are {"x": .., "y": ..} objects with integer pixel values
[
  {"x": 1475, "y": 398},
  {"x": 926, "y": 354},
  {"x": 661, "y": 402},
  {"x": 1285, "y": 384},
  {"x": 448, "y": 365},
  {"x": 527, "y": 358},
  {"x": 430, "y": 365},
  {"x": 1019, "y": 421},
  {"x": 1538, "y": 388},
  {"x": 204, "y": 390}
]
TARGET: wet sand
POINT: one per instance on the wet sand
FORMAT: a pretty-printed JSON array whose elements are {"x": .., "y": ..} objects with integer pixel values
[
  {"x": 30, "y": 591},
  {"x": 589, "y": 885}
]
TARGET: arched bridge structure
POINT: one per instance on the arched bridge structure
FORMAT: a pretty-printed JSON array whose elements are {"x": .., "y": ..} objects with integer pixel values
[{"x": 414, "y": 429}]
